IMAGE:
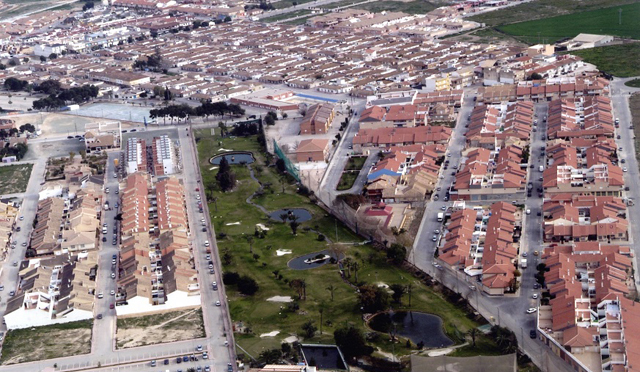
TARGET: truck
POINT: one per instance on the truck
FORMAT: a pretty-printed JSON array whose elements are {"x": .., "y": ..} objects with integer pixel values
[
  {"x": 523, "y": 263},
  {"x": 541, "y": 168},
  {"x": 440, "y": 217}
]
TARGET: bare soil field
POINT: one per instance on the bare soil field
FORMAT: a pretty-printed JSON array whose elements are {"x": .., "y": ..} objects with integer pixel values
[{"x": 159, "y": 328}]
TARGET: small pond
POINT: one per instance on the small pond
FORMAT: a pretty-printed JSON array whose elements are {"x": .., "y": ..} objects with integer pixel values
[
  {"x": 302, "y": 214},
  {"x": 311, "y": 260},
  {"x": 234, "y": 158},
  {"x": 413, "y": 325}
]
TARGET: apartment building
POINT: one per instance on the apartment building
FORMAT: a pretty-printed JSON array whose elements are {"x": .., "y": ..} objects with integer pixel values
[
  {"x": 317, "y": 119},
  {"x": 164, "y": 156},
  {"x": 136, "y": 155},
  {"x": 49, "y": 225},
  {"x": 314, "y": 149}
]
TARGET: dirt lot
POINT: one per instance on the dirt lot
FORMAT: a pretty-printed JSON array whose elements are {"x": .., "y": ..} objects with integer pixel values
[
  {"x": 159, "y": 328},
  {"x": 55, "y": 341},
  {"x": 14, "y": 178}
]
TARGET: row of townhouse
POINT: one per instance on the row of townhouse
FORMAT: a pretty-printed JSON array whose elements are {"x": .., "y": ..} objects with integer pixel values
[
  {"x": 484, "y": 243},
  {"x": 587, "y": 318},
  {"x": 367, "y": 139},
  {"x": 156, "y": 264},
  {"x": 494, "y": 160},
  {"x": 545, "y": 90}
]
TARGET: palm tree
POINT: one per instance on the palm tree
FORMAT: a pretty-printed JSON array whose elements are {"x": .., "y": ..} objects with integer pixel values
[
  {"x": 331, "y": 288},
  {"x": 284, "y": 217},
  {"x": 355, "y": 266},
  {"x": 71, "y": 155},
  {"x": 347, "y": 262},
  {"x": 473, "y": 333},
  {"x": 250, "y": 241}
]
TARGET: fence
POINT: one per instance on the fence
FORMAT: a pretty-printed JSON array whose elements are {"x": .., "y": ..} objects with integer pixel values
[{"x": 292, "y": 169}]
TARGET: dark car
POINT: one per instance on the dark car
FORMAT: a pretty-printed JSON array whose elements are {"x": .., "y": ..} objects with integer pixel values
[
  {"x": 178, "y": 360},
  {"x": 185, "y": 358},
  {"x": 204, "y": 229},
  {"x": 536, "y": 286},
  {"x": 69, "y": 137},
  {"x": 134, "y": 130},
  {"x": 532, "y": 333},
  {"x": 18, "y": 228},
  {"x": 166, "y": 362},
  {"x": 112, "y": 306},
  {"x": 99, "y": 316},
  {"x": 104, "y": 239}
]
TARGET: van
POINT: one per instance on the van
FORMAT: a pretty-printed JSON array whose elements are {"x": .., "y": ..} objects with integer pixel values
[{"x": 541, "y": 168}]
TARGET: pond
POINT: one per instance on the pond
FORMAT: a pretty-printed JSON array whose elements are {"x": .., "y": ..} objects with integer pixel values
[
  {"x": 301, "y": 213},
  {"x": 413, "y": 325},
  {"x": 311, "y": 260},
  {"x": 234, "y": 158}
]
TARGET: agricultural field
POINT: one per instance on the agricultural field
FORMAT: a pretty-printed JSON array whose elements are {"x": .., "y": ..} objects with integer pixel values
[
  {"x": 602, "y": 21},
  {"x": 284, "y": 16},
  {"x": 16, "y": 8},
  {"x": 618, "y": 60},
  {"x": 410, "y": 7},
  {"x": 540, "y": 9},
  {"x": 253, "y": 245}
]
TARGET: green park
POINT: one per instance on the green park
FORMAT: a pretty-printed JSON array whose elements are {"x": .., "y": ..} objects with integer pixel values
[{"x": 275, "y": 297}]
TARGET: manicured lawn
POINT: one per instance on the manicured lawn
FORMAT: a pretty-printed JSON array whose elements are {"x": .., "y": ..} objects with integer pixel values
[
  {"x": 261, "y": 316},
  {"x": 355, "y": 163},
  {"x": 540, "y": 9},
  {"x": 601, "y": 21},
  {"x": 635, "y": 83},
  {"x": 347, "y": 180},
  {"x": 47, "y": 342},
  {"x": 618, "y": 60},
  {"x": 484, "y": 345},
  {"x": 14, "y": 178}
]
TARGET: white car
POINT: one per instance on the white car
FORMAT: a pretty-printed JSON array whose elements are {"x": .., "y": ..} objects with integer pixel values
[
  {"x": 436, "y": 231},
  {"x": 535, "y": 296},
  {"x": 199, "y": 348},
  {"x": 113, "y": 275},
  {"x": 524, "y": 254},
  {"x": 21, "y": 218},
  {"x": 113, "y": 293},
  {"x": 218, "y": 303},
  {"x": 206, "y": 243},
  {"x": 435, "y": 238},
  {"x": 531, "y": 310},
  {"x": 100, "y": 295},
  {"x": 624, "y": 169}
]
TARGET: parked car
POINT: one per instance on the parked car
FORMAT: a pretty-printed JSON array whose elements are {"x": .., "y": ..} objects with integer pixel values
[{"x": 531, "y": 310}]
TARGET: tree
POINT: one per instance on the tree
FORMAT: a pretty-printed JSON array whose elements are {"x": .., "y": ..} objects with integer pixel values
[
  {"x": 53, "y": 56},
  {"x": 71, "y": 155},
  {"x": 271, "y": 356},
  {"x": 373, "y": 298},
  {"x": 27, "y": 127},
  {"x": 300, "y": 285},
  {"x": 473, "y": 333},
  {"x": 225, "y": 177},
  {"x": 88, "y": 5},
  {"x": 250, "y": 241},
  {"x": 223, "y": 129},
  {"x": 294, "y": 227},
  {"x": 284, "y": 217},
  {"x": 268, "y": 120},
  {"x": 396, "y": 253},
  {"x": 351, "y": 342},
  {"x": 398, "y": 292},
  {"x": 168, "y": 96},
  {"x": 14, "y": 84},
  {"x": 230, "y": 278},
  {"x": 247, "y": 285},
  {"x": 331, "y": 288},
  {"x": 309, "y": 329},
  {"x": 49, "y": 87},
  {"x": 227, "y": 19},
  {"x": 43, "y": 59}
]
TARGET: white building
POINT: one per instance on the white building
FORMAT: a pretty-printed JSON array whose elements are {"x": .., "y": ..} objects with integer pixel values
[{"x": 136, "y": 156}]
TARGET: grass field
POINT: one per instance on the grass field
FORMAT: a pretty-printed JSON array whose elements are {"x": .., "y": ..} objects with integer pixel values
[
  {"x": 350, "y": 173},
  {"x": 618, "y": 60},
  {"x": 47, "y": 342},
  {"x": 635, "y": 83},
  {"x": 261, "y": 316},
  {"x": 540, "y": 9},
  {"x": 14, "y": 178},
  {"x": 601, "y": 21}
]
